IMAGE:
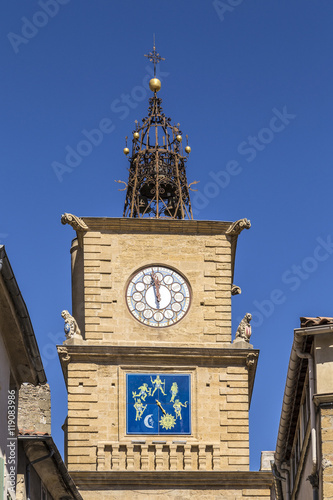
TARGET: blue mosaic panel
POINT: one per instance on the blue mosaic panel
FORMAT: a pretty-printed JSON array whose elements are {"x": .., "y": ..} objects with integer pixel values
[{"x": 158, "y": 403}]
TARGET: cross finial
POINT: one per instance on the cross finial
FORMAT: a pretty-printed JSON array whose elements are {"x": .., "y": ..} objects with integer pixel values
[{"x": 154, "y": 57}]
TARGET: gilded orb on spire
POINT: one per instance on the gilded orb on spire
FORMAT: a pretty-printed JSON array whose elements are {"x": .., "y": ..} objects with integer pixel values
[{"x": 155, "y": 84}]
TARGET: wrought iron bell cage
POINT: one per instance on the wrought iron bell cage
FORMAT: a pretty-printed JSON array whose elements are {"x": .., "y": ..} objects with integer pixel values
[{"x": 157, "y": 184}]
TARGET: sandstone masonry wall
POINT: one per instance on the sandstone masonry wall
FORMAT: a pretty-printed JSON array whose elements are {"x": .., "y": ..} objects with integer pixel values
[
  {"x": 97, "y": 419},
  {"x": 326, "y": 415},
  {"x": 34, "y": 408},
  {"x": 110, "y": 260}
]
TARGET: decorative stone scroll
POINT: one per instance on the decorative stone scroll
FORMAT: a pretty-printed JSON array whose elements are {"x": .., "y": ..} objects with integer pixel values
[
  {"x": 251, "y": 358},
  {"x": 77, "y": 224},
  {"x": 235, "y": 290},
  {"x": 63, "y": 353},
  {"x": 237, "y": 227}
]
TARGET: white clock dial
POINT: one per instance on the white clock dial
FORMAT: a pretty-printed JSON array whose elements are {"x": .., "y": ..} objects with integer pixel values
[{"x": 158, "y": 296}]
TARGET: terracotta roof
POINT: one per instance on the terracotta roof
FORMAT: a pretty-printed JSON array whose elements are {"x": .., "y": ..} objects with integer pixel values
[
  {"x": 319, "y": 320},
  {"x": 31, "y": 432}
]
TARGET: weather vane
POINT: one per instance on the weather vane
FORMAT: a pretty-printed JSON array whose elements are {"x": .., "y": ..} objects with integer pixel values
[{"x": 154, "y": 57}]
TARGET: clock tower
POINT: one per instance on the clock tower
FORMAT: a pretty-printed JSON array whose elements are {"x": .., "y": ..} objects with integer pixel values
[{"x": 158, "y": 394}]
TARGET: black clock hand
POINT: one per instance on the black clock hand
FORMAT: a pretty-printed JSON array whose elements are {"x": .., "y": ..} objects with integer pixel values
[{"x": 157, "y": 286}]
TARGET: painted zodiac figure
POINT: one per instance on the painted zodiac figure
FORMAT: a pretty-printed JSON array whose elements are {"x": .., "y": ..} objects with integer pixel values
[
  {"x": 158, "y": 384},
  {"x": 144, "y": 392},
  {"x": 174, "y": 391},
  {"x": 178, "y": 408},
  {"x": 140, "y": 408}
]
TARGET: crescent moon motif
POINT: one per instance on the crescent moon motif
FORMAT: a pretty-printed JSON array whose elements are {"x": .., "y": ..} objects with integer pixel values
[{"x": 146, "y": 421}]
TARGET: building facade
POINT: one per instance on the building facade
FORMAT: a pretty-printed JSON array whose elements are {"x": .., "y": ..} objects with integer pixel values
[
  {"x": 158, "y": 393},
  {"x": 303, "y": 466},
  {"x": 31, "y": 467},
  {"x": 19, "y": 362}
]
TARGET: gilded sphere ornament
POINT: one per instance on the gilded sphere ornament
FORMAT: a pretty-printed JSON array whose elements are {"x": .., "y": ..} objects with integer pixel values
[
  {"x": 188, "y": 149},
  {"x": 179, "y": 138},
  {"x": 126, "y": 151},
  {"x": 155, "y": 85},
  {"x": 136, "y": 135}
]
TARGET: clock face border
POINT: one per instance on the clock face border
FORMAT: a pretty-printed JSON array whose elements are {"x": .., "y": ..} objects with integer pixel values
[
  {"x": 158, "y": 404},
  {"x": 168, "y": 298}
]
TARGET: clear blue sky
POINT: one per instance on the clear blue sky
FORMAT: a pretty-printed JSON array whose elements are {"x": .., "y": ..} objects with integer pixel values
[{"x": 251, "y": 84}]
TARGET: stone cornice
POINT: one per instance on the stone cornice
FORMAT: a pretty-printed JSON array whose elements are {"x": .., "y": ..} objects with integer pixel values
[
  {"x": 172, "y": 479},
  {"x": 161, "y": 356},
  {"x": 199, "y": 355},
  {"x": 159, "y": 226}
]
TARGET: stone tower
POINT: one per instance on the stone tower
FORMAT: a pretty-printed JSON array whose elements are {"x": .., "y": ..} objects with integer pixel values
[{"x": 158, "y": 394}]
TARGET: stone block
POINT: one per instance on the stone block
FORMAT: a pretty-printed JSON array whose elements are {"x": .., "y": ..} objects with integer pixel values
[
  {"x": 236, "y": 429},
  {"x": 238, "y": 460},
  {"x": 34, "y": 408},
  {"x": 241, "y": 422},
  {"x": 94, "y": 336},
  {"x": 225, "y": 280},
  {"x": 92, "y": 291},
  {"x": 237, "y": 398},
  {"x": 239, "y": 444},
  {"x": 238, "y": 384},
  {"x": 239, "y": 452},
  {"x": 237, "y": 406},
  {"x": 92, "y": 236},
  {"x": 255, "y": 493},
  {"x": 236, "y": 369},
  {"x": 74, "y": 450},
  {"x": 238, "y": 415},
  {"x": 223, "y": 338},
  {"x": 238, "y": 377},
  {"x": 92, "y": 247}
]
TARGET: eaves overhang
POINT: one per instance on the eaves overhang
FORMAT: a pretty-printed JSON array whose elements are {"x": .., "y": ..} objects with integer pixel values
[
  {"x": 52, "y": 471},
  {"x": 296, "y": 375},
  {"x": 30, "y": 367}
]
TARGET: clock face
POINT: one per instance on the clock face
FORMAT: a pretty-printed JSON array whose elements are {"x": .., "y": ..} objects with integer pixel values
[
  {"x": 158, "y": 296},
  {"x": 158, "y": 403}
]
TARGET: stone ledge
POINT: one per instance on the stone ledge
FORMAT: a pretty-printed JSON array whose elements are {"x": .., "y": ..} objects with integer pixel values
[
  {"x": 139, "y": 357},
  {"x": 237, "y": 480},
  {"x": 175, "y": 356},
  {"x": 323, "y": 399},
  {"x": 168, "y": 226}
]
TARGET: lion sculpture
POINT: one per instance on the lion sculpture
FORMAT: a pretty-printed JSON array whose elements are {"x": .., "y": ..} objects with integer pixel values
[
  {"x": 71, "y": 327},
  {"x": 244, "y": 329}
]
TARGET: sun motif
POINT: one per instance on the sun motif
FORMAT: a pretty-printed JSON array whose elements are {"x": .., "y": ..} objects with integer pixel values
[{"x": 167, "y": 421}]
